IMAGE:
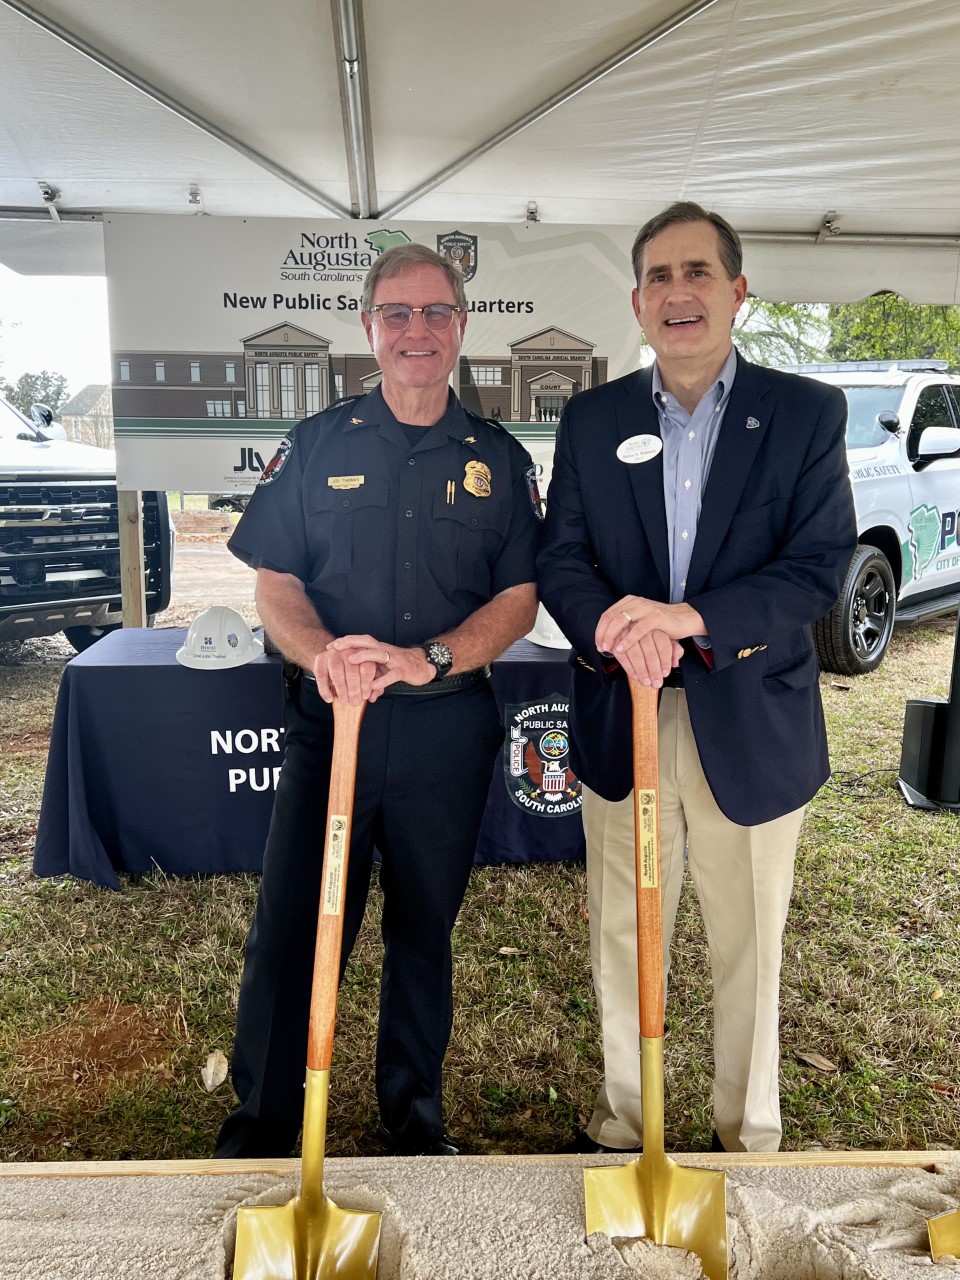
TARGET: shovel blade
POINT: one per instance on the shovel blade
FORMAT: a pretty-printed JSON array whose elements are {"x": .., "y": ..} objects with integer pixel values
[
  {"x": 664, "y": 1202},
  {"x": 944, "y": 1233},
  {"x": 289, "y": 1242}
]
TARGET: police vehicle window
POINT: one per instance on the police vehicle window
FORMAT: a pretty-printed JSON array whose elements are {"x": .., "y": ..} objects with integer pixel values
[
  {"x": 863, "y": 405},
  {"x": 931, "y": 411},
  {"x": 953, "y": 395}
]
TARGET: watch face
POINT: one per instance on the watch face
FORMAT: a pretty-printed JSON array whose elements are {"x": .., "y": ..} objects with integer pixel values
[{"x": 440, "y": 655}]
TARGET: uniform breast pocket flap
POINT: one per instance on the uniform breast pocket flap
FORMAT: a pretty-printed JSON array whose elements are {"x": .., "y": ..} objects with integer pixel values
[
  {"x": 353, "y": 523},
  {"x": 471, "y": 514}
]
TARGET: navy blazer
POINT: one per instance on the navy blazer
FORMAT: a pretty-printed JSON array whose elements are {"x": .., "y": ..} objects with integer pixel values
[{"x": 774, "y": 540}]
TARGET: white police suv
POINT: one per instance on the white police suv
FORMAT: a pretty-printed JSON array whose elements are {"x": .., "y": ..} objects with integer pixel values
[{"x": 903, "y": 444}]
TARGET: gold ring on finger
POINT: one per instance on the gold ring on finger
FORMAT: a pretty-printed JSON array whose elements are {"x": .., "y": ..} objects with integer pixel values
[
  {"x": 387, "y": 658},
  {"x": 626, "y": 615}
]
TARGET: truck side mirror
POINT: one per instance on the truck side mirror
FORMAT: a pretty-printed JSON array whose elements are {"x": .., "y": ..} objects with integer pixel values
[
  {"x": 43, "y": 419},
  {"x": 889, "y": 421}
]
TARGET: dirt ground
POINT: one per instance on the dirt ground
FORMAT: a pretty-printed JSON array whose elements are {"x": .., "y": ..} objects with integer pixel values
[{"x": 206, "y": 573}]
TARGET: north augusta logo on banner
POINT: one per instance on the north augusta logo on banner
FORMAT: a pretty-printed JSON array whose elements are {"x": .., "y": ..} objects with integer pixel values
[{"x": 536, "y": 758}]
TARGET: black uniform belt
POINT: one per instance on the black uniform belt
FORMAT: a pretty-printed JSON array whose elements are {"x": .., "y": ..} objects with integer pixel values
[{"x": 449, "y": 684}]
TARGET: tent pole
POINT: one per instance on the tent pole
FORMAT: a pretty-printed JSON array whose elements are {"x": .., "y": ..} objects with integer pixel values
[
  {"x": 165, "y": 100},
  {"x": 665, "y": 28}
]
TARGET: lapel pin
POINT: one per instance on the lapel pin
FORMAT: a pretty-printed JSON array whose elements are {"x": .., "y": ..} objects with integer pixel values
[{"x": 752, "y": 423}]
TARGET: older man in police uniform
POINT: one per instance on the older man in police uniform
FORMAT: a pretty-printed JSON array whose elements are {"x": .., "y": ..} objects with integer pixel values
[{"x": 394, "y": 537}]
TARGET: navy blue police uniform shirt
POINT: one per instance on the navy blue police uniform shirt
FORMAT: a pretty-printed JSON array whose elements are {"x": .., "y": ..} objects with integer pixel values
[{"x": 396, "y": 539}]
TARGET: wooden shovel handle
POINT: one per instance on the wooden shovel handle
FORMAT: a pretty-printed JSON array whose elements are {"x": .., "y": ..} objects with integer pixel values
[
  {"x": 333, "y": 883},
  {"x": 646, "y": 812}
]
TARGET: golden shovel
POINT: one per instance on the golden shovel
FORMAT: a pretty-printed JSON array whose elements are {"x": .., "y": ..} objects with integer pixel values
[
  {"x": 653, "y": 1196},
  {"x": 944, "y": 1233},
  {"x": 310, "y": 1237}
]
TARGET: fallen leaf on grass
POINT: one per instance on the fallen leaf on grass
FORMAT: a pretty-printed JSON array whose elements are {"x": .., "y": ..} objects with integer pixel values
[
  {"x": 511, "y": 951},
  {"x": 937, "y": 993},
  {"x": 835, "y": 684},
  {"x": 941, "y": 1086},
  {"x": 214, "y": 1071},
  {"x": 819, "y": 1061}
]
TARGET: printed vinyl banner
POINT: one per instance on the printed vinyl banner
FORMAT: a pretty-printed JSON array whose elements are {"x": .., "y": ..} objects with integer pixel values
[{"x": 226, "y": 330}]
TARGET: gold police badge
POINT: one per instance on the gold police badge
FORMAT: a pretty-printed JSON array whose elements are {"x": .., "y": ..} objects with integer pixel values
[{"x": 476, "y": 479}]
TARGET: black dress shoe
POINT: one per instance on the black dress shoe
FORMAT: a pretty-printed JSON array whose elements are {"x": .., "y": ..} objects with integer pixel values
[
  {"x": 442, "y": 1146},
  {"x": 583, "y": 1145}
]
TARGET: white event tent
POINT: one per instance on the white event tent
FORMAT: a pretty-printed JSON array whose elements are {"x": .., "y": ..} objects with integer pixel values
[{"x": 825, "y": 130}]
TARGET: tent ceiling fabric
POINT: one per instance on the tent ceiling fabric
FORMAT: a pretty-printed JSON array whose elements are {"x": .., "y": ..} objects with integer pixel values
[{"x": 772, "y": 115}]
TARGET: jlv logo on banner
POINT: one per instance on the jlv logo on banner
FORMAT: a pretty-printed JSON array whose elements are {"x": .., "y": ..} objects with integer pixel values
[{"x": 250, "y": 460}]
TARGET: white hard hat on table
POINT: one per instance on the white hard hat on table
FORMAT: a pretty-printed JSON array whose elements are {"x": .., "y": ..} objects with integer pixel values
[{"x": 219, "y": 638}]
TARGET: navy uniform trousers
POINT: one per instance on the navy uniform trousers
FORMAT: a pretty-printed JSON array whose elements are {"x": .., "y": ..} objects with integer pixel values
[{"x": 425, "y": 763}]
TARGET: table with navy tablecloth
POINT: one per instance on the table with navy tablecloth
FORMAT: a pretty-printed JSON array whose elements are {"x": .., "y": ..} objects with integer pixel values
[{"x": 157, "y": 766}]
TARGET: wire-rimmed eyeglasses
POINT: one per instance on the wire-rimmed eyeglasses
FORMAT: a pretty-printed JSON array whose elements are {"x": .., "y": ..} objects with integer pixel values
[{"x": 437, "y": 316}]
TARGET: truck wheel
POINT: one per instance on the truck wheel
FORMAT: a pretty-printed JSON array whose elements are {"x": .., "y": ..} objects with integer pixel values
[
  {"x": 854, "y": 635},
  {"x": 83, "y": 637}
]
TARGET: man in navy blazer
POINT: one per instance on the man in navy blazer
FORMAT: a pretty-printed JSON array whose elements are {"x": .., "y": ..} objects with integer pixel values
[{"x": 699, "y": 519}]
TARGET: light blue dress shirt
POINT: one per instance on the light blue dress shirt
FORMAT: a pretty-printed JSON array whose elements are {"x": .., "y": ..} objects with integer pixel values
[{"x": 689, "y": 442}]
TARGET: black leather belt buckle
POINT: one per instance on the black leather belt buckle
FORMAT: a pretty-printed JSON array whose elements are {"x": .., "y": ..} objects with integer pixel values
[{"x": 449, "y": 684}]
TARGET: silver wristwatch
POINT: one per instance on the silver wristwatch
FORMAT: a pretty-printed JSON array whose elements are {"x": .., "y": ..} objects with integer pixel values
[{"x": 439, "y": 656}]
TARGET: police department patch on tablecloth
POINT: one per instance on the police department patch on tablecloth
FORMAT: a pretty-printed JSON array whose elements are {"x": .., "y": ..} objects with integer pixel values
[{"x": 536, "y": 758}]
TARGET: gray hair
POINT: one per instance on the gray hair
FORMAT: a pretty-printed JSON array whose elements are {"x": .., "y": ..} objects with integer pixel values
[
  {"x": 396, "y": 261},
  {"x": 731, "y": 250}
]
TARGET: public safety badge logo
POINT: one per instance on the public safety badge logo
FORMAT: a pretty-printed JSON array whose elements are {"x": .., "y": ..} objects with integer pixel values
[
  {"x": 277, "y": 462},
  {"x": 460, "y": 251},
  {"x": 536, "y": 758}
]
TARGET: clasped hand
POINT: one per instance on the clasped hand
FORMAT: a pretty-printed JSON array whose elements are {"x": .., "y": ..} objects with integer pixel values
[
  {"x": 358, "y": 668},
  {"x": 644, "y": 635}
]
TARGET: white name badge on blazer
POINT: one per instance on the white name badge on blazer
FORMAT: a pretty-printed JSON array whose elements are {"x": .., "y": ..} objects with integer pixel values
[{"x": 639, "y": 448}]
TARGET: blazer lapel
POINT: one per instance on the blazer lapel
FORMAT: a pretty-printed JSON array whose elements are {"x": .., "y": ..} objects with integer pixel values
[
  {"x": 637, "y": 415},
  {"x": 741, "y": 434}
]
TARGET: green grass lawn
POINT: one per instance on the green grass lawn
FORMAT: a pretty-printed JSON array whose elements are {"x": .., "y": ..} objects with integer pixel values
[{"x": 111, "y": 1003}]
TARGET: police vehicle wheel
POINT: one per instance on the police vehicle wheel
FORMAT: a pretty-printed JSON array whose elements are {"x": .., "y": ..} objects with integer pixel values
[
  {"x": 83, "y": 637},
  {"x": 854, "y": 635}
]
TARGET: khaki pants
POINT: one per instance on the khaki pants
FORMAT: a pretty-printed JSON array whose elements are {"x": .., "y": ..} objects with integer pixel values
[{"x": 743, "y": 877}]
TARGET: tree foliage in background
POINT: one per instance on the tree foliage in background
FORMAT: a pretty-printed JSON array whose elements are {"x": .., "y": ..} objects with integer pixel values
[
  {"x": 38, "y": 388},
  {"x": 781, "y": 332},
  {"x": 888, "y": 327}
]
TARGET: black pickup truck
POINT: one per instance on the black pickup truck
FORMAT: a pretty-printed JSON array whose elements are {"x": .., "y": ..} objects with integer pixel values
[{"x": 59, "y": 535}]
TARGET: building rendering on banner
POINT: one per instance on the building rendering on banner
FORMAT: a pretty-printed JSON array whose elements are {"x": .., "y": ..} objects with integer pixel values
[{"x": 288, "y": 372}]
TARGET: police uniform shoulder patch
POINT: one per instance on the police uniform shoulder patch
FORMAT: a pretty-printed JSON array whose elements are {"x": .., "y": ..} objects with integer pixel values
[
  {"x": 278, "y": 461},
  {"x": 533, "y": 489}
]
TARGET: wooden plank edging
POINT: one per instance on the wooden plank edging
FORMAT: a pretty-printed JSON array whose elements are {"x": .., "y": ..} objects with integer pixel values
[{"x": 732, "y": 1160}]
